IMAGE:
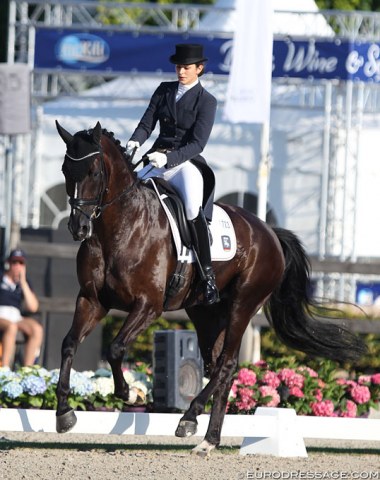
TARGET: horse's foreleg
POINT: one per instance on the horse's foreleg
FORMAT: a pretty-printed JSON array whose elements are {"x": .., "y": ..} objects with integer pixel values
[
  {"x": 85, "y": 319},
  {"x": 136, "y": 322}
]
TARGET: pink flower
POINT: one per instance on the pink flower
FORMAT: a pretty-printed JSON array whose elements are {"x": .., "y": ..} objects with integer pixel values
[
  {"x": 296, "y": 392},
  {"x": 323, "y": 409},
  {"x": 351, "y": 410},
  {"x": 376, "y": 378},
  {"x": 360, "y": 394},
  {"x": 350, "y": 383},
  {"x": 318, "y": 394},
  {"x": 271, "y": 379},
  {"x": 267, "y": 391},
  {"x": 310, "y": 371},
  {"x": 291, "y": 378},
  {"x": 261, "y": 364},
  {"x": 246, "y": 377},
  {"x": 363, "y": 379},
  {"x": 340, "y": 381},
  {"x": 246, "y": 400}
]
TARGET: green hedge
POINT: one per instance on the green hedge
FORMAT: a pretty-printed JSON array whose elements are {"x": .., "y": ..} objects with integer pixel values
[
  {"x": 142, "y": 348},
  {"x": 271, "y": 347}
]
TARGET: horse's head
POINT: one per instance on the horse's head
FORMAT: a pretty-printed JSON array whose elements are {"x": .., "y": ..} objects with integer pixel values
[{"x": 85, "y": 176}]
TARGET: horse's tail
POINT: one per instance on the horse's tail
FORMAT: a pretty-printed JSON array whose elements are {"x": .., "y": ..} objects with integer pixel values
[{"x": 293, "y": 314}]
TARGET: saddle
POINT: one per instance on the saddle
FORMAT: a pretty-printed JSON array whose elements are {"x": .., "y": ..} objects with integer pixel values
[{"x": 221, "y": 230}]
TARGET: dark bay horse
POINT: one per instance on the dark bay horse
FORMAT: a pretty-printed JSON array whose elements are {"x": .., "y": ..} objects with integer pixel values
[{"x": 127, "y": 257}]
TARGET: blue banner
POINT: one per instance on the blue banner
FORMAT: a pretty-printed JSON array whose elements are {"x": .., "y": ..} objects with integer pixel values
[{"x": 100, "y": 51}]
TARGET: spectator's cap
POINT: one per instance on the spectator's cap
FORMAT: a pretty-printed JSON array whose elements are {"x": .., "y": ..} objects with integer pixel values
[{"x": 17, "y": 254}]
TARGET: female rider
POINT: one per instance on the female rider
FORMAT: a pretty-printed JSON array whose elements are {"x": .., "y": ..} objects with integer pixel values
[{"x": 186, "y": 113}]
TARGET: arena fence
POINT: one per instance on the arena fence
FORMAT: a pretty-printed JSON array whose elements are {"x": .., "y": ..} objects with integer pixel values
[{"x": 271, "y": 431}]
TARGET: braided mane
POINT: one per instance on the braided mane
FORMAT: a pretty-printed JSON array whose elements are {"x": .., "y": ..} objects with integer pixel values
[{"x": 117, "y": 142}]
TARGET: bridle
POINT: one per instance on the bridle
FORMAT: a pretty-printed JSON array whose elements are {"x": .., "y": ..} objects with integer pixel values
[{"x": 97, "y": 201}]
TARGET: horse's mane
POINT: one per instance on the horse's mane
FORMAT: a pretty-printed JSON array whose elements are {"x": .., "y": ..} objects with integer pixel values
[
  {"x": 122, "y": 150},
  {"x": 78, "y": 169}
]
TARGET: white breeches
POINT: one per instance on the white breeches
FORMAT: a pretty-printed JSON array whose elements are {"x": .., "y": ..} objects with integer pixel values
[{"x": 186, "y": 179}]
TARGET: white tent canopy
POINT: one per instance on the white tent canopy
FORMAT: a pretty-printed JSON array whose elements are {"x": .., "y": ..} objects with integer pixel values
[{"x": 294, "y": 23}]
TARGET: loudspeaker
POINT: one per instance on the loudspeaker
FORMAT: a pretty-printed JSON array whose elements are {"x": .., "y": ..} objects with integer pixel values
[{"x": 177, "y": 369}]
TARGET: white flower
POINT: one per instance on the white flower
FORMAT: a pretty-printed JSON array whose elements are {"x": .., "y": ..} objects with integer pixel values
[
  {"x": 129, "y": 377},
  {"x": 141, "y": 386},
  {"x": 104, "y": 386}
]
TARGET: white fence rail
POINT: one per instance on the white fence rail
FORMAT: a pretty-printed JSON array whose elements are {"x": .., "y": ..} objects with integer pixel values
[{"x": 271, "y": 431}]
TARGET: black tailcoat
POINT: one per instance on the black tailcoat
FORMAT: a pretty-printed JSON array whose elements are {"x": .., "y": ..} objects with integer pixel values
[{"x": 185, "y": 127}]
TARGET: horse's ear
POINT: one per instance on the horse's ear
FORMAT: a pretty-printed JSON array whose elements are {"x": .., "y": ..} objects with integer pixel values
[
  {"x": 97, "y": 133},
  {"x": 64, "y": 134}
]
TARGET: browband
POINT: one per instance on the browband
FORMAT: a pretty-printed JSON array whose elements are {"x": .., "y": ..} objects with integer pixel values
[{"x": 82, "y": 158}]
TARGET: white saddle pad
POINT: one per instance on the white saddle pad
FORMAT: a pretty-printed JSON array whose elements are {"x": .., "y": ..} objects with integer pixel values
[{"x": 223, "y": 235}]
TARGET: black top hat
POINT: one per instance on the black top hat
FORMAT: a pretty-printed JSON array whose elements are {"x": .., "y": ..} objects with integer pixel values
[{"x": 187, "y": 53}]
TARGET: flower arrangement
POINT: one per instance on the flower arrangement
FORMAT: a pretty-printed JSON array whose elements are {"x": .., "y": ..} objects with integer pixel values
[
  {"x": 319, "y": 392},
  {"x": 302, "y": 388},
  {"x": 35, "y": 387}
]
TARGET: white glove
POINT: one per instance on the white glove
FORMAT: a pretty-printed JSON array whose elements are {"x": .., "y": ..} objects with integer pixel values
[
  {"x": 157, "y": 159},
  {"x": 131, "y": 145}
]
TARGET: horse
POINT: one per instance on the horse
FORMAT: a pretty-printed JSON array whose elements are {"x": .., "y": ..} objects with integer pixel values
[{"x": 127, "y": 257}]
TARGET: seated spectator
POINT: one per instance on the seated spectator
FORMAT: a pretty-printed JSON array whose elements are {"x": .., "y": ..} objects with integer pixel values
[{"x": 16, "y": 295}]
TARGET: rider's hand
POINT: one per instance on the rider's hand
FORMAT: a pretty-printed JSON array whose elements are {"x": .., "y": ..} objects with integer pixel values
[
  {"x": 131, "y": 145},
  {"x": 157, "y": 159}
]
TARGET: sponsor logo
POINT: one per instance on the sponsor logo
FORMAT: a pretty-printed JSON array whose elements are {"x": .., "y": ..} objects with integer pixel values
[{"x": 82, "y": 49}]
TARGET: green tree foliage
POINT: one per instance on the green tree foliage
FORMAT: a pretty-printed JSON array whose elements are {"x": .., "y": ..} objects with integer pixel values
[
  {"x": 272, "y": 348},
  {"x": 131, "y": 16},
  {"x": 142, "y": 348},
  {"x": 371, "y": 5},
  {"x": 188, "y": 2}
]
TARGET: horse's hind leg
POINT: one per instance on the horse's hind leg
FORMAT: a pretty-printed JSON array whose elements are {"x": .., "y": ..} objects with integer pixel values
[
  {"x": 247, "y": 302},
  {"x": 86, "y": 317}
]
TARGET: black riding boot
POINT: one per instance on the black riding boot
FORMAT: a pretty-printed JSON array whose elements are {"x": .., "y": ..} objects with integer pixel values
[{"x": 201, "y": 243}]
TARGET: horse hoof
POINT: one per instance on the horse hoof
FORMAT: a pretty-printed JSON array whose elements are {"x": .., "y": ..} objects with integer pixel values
[
  {"x": 186, "y": 428},
  {"x": 66, "y": 421},
  {"x": 203, "y": 450}
]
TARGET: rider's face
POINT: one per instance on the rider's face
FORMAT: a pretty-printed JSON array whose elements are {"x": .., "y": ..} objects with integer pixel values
[{"x": 188, "y": 74}]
